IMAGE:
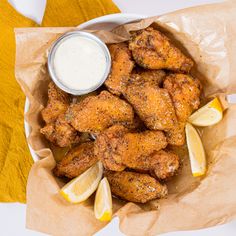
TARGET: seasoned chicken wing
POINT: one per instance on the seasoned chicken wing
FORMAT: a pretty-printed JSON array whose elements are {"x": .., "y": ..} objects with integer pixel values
[
  {"x": 163, "y": 164},
  {"x": 135, "y": 187},
  {"x": 96, "y": 113},
  {"x": 76, "y": 161},
  {"x": 152, "y": 76},
  {"x": 122, "y": 65},
  {"x": 185, "y": 93},
  {"x": 153, "y": 104},
  {"x": 118, "y": 148},
  {"x": 105, "y": 147},
  {"x": 60, "y": 132},
  {"x": 153, "y": 50},
  {"x": 176, "y": 135},
  {"x": 58, "y": 102}
]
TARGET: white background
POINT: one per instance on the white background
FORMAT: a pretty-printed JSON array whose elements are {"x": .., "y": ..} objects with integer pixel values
[{"x": 12, "y": 216}]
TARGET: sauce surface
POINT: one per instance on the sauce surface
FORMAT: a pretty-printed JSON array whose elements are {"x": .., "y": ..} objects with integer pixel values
[{"x": 79, "y": 63}]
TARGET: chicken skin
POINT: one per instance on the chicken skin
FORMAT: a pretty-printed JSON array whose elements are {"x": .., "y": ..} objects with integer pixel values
[
  {"x": 185, "y": 93},
  {"x": 60, "y": 132},
  {"x": 153, "y": 50},
  {"x": 121, "y": 68},
  {"x": 58, "y": 102},
  {"x": 76, "y": 161},
  {"x": 135, "y": 187},
  {"x": 96, "y": 113},
  {"x": 153, "y": 104},
  {"x": 118, "y": 148}
]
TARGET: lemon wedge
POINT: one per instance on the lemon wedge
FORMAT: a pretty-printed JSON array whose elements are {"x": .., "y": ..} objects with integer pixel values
[
  {"x": 82, "y": 187},
  {"x": 103, "y": 201},
  {"x": 209, "y": 114},
  {"x": 196, "y": 151}
]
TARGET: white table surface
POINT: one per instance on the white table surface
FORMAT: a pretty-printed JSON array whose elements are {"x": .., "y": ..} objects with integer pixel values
[{"x": 12, "y": 215}]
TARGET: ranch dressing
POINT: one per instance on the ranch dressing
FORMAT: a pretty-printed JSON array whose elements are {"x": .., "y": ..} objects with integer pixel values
[{"x": 79, "y": 63}]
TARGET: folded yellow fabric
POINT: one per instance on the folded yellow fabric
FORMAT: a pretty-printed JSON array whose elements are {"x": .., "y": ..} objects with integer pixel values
[{"x": 15, "y": 159}]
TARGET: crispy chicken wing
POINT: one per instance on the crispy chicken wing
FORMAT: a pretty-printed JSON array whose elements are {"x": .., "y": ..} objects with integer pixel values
[
  {"x": 60, "y": 132},
  {"x": 163, "y": 164},
  {"x": 76, "y": 161},
  {"x": 118, "y": 148},
  {"x": 152, "y": 104},
  {"x": 122, "y": 66},
  {"x": 176, "y": 135},
  {"x": 153, "y": 50},
  {"x": 96, "y": 113},
  {"x": 58, "y": 102},
  {"x": 57, "y": 130},
  {"x": 135, "y": 187},
  {"x": 185, "y": 93},
  {"x": 105, "y": 147},
  {"x": 152, "y": 76}
]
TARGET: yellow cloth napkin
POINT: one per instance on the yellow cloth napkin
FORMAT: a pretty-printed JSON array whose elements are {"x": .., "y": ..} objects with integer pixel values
[{"x": 15, "y": 159}]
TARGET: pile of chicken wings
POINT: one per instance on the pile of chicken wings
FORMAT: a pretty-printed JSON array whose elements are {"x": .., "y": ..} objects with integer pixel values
[{"x": 139, "y": 114}]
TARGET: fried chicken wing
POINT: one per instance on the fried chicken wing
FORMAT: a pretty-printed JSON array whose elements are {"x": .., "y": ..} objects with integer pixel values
[
  {"x": 135, "y": 187},
  {"x": 118, "y": 148},
  {"x": 153, "y": 104},
  {"x": 153, "y": 50},
  {"x": 164, "y": 164},
  {"x": 76, "y": 161},
  {"x": 96, "y": 113},
  {"x": 176, "y": 135},
  {"x": 185, "y": 93},
  {"x": 60, "y": 132},
  {"x": 105, "y": 147},
  {"x": 122, "y": 65},
  {"x": 58, "y": 102},
  {"x": 155, "y": 77}
]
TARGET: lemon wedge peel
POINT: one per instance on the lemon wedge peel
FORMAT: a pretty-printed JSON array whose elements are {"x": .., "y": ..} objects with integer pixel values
[
  {"x": 103, "y": 201},
  {"x": 82, "y": 187},
  {"x": 210, "y": 114},
  {"x": 196, "y": 151}
]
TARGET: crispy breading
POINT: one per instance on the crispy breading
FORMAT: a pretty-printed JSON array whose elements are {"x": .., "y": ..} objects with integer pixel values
[
  {"x": 164, "y": 164},
  {"x": 60, "y": 132},
  {"x": 58, "y": 102},
  {"x": 153, "y": 50},
  {"x": 176, "y": 135},
  {"x": 185, "y": 93},
  {"x": 118, "y": 148},
  {"x": 135, "y": 187},
  {"x": 76, "y": 161},
  {"x": 122, "y": 65},
  {"x": 153, "y": 104},
  {"x": 152, "y": 76},
  {"x": 106, "y": 144},
  {"x": 96, "y": 113}
]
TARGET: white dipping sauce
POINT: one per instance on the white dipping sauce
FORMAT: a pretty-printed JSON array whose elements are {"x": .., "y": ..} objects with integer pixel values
[{"x": 79, "y": 63}]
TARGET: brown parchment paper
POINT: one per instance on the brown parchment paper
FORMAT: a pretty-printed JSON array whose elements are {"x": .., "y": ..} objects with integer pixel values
[{"x": 208, "y": 34}]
